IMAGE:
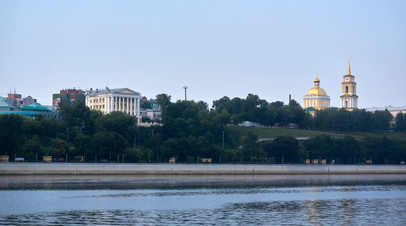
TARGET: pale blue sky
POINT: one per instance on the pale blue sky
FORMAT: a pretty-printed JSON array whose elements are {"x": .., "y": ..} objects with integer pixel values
[{"x": 216, "y": 48}]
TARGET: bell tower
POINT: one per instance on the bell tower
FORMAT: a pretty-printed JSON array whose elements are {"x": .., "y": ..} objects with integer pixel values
[{"x": 349, "y": 98}]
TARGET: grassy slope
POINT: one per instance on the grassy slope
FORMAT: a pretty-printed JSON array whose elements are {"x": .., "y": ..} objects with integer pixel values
[{"x": 236, "y": 132}]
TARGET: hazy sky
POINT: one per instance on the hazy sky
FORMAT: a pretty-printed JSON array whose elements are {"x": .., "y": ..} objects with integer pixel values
[{"x": 216, "y": 48}]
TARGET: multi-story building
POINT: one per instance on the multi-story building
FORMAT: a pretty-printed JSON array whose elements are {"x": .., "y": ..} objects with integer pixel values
[
  {"x": 68, "y": 95},
  {"x": 109, "y": 100},
  {"x": 17, "y": 101}
]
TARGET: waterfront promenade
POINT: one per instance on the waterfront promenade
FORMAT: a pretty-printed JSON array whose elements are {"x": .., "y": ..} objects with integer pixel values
[{"x": 190, "y": 169}]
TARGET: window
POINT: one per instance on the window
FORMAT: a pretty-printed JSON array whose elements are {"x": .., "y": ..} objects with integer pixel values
[{"x": 346, "y": 89}]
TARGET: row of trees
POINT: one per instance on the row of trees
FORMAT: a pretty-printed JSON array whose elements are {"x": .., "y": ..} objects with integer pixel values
[
  {"x": 258, "y": 110},
  {"x": 346, "y": 150},
  {"x": 191, "y": 131},
  {"x": 252, "y": 108}
]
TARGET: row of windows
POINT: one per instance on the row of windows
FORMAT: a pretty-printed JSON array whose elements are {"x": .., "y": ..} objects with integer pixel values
[
  {"x": 97, "y": 107},
  {"x": 97, "y": 100}
]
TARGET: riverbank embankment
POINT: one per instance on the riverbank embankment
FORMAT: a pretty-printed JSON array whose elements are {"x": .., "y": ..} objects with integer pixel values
[{"x": 190, "y": 169}]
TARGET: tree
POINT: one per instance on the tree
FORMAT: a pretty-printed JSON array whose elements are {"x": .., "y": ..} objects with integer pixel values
[
  {"x": 202, "y": 105},
  {"x": 59, "y": 147},
  {"x": 277, "y": 104},
  {"x": 401, "y": 121},
  {"x": 83, "y": 144},
  {"x": 223, "y": 103},
  {"x": 249, "y": 144},
  {"x": 163, "y": 101},
  {"x": 12, "y": 133},
  {"x": 382, "y": 119},
  {"x": 119, "y": 122},
  {"x": 283, "y": 148},
  {"x": 294, "y": 103},
  {"x": 145, "y": 105},
  {"x": 319, "y": 146},
  {"x": 109, "y": 144}
]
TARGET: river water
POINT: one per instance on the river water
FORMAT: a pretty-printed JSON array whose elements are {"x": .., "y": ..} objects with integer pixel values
[{"x": 212, "y": 200}]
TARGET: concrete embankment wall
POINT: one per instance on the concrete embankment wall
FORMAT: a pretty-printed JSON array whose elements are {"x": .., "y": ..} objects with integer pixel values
[{"x": 192, "y": 169}]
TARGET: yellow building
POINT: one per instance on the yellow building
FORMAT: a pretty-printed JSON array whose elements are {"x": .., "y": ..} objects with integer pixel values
[
  {"x": 349, "y": 98},
  {"x": 316, "y": 98}
]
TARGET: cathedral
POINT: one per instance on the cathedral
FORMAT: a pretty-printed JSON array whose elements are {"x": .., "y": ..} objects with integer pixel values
[{"x": 317, "y": 98}]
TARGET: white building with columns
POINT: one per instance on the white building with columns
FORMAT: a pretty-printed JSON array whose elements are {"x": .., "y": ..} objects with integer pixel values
[{"x": 109, "y": 100}]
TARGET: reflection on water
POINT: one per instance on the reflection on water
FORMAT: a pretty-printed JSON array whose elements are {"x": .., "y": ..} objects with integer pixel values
[
  {"x": 171, "y": 182},
  {"x": 330, "y": 212},
  {"x": 225, "y": 200}
]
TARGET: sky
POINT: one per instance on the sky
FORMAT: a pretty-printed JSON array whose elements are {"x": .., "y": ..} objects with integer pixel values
[{"x": 271, "y": 48}]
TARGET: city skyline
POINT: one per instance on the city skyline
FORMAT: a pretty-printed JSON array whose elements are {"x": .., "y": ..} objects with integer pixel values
[{"x": 215, "y": 48}]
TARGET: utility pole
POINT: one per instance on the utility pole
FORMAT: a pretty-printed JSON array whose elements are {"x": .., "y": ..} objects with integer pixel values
[
  {"x": 185, "y": 87},
  {"x": 223, "y": 139}
]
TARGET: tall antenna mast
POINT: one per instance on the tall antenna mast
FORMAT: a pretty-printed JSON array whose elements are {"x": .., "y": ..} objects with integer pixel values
[{"x": 185, "y": 87}]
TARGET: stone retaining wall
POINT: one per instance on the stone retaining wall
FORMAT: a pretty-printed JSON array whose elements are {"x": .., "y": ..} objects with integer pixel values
[{"x": 193, "y": 169}]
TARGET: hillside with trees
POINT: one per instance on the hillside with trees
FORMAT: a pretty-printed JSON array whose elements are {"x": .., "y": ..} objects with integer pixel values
[{"x": 190, "y": 131}]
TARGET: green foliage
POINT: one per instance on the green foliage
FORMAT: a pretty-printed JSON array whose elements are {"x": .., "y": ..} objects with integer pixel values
[
  {"x": 12, "y": 133},
  {"x": 356, "y": 120},
  {"x": 191, "y": 131},
  {"x": 145, "y": 105},
  {"x": 401, "y": 121},
  {"x": 249, "y": 145},
  {"x": 283, "y": 148}
]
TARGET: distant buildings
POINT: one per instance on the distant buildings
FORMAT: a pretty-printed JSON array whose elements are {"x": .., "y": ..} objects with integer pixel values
[
  {"x": 4, "y": 105},
  {"x": 17, "y": 101},
  {"x": 68, "y": 95},
  {"x": 150, "y": 108},
  {"x": 317, "y": 98},
  {"x": 393, "y": 110},
  {"x": 31, "y": 111},
  {"x": 109, "y": 100}
]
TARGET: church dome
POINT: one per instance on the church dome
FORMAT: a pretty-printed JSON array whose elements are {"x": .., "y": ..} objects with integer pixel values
[{"x": 317, "y": 91}]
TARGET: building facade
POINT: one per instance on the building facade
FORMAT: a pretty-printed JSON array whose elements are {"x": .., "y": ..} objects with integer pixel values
[
  {"x": 109, "y": 100},
  {"x": 393, "y": 110},
  {"x": 31, "y": 111},
  {"x": 150, "y": 109},
  {"x": 68, "y": 95},
  {"x": 349, "y": 98},
  {"x": 316, "y": 98},
  {"x": 17, "y": 101}
]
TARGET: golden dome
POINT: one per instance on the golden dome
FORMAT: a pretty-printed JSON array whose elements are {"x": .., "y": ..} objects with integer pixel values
[{"x": 317, "y": 91}]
